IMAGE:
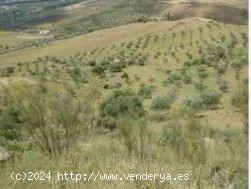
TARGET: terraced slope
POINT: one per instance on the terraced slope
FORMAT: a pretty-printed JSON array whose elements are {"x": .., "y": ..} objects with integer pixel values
[
  {"x": 104, "y": 37},
  {"x": 163, "y": 49}
]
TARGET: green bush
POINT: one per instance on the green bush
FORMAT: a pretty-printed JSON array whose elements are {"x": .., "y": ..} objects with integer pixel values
[
  {"x": 145, "y": 91},
  {"x": 217, "y": 53},
  {"x": 10, "y": 120},
  {"x": 54, "y": 121},
  {"x": 118, "y": 104},
  {"x": 194, "y": 102},
  {"x": 202, "y": 72},
  {"x": 200, "y": 86},
  {"x": 92, "y": 63},
  {"x": 162, "y": 102},
  {"x": 210, "y": 97},
  {"x": 195, "y": 62},
  {"x": 187, "y": 140},
  {"x": 174, "y": 78},
  {"x": 240, "y": 101},
  {"x": 9, "y": 70},
  {"x": 125, "y": 75},
  {"x": 99, "y": 69},
  {"x": 77, "y": 74},
  {"x": 223, "y": 86},
  {"x": 136, "y": 136},
  {"x": 187, "y": 79},
  {"x": 221, "y": 67},
  {"x": 116, "y": 67},
  {"x": 143, "y": 19},
  {"x": 141, "y": 62},
  {"x": 75, "y": 71}
]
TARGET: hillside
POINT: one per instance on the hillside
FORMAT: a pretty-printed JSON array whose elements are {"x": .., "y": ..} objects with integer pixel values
[
  {"x": 54, "y": 21},
  {"x": 164, "y": 95},
  {"x": 101, "y": 38}
]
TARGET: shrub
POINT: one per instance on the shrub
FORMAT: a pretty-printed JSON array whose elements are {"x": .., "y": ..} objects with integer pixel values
[
  {"x": 195, "y": 62},
  {"x": 236, "y": 64},
  {"x": 125, "y": 75},
  {"x": 99, "y": 69},
  {"x": 210, "y": 97},
  {"x": 92, "y": 63},
  {"x": 194, "y": 102},
  {"x": 200, "y": 86},
  {"x": 9, "y": 70},
  {"x": 77, "y": 75},
  {"x": 174, "y": 77},
  {"x": 240, "y": 101},
  {"x": 120, "y": 103},
  {"x": 136, "y": 136},
  {"x": 75, "y": 71},
  {"x": 186, "y": 140},
  {"x": 217, "y": 52},
  {"x": 10, "y": 121},
  {"x": 163, "y": 102},
  {"x": 116, "y": 67},
  {"x": 54, "y": 121},
  {"x": 223, "y": 86},
  {"x": 202, "y": 72},
  {"x": 187, "y": 79},
  {"x": 221, "y": 67},
  {"x": 143, "y": 19},
  {"x": 145, "y": 91},
  {"x": 141, "y": 62}
]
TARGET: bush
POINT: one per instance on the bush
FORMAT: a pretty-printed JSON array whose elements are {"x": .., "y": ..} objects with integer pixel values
[
  {"x": 116, "y": 67},
  {"x": 161, "y": 103},
  {"x": 99, "y": 69},
  {"x": 141, "y": 62},
  {"x": 223, "y": 86},
  {"x": 54, "y": 121},
  {"x": 210, "y": 97},
  {"x": 10, "y": 121},
  {"x": 186, "y": 140},
  {"x": 136, "y": 136},
  {"x": 195, "y": 62},
  {"x": 145, "y": 91},
  {"x": 194, "y": 102},
  {"x": 202, "y": 72},
  {"x": 125, "y": 75},
  {"x": 200, "y": 86},
  {"x": 174, "y": 78},
  {"x": 9, "y": 70},
  {"x": 119, "y": 104},
  {"x": 77, "y": 75},
  {"x": 92, "y": 63},
  {"x": 217, "y": 52},
  {"x": 143, "y": 19},
  {"x": 187, "y": 79},
  {"x": 240, "y": 101},
  {"x": 221, "y": 67}
]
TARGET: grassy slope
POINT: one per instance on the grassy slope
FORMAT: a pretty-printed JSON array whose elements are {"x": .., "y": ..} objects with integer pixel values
[
  {"x": 96, "y": 39},
  {"x": 95, "y": 154},
  {"x": 109, "y": 13},
  {"x": 155, "y": 69},
  {"x": 90, "y": 41}
]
